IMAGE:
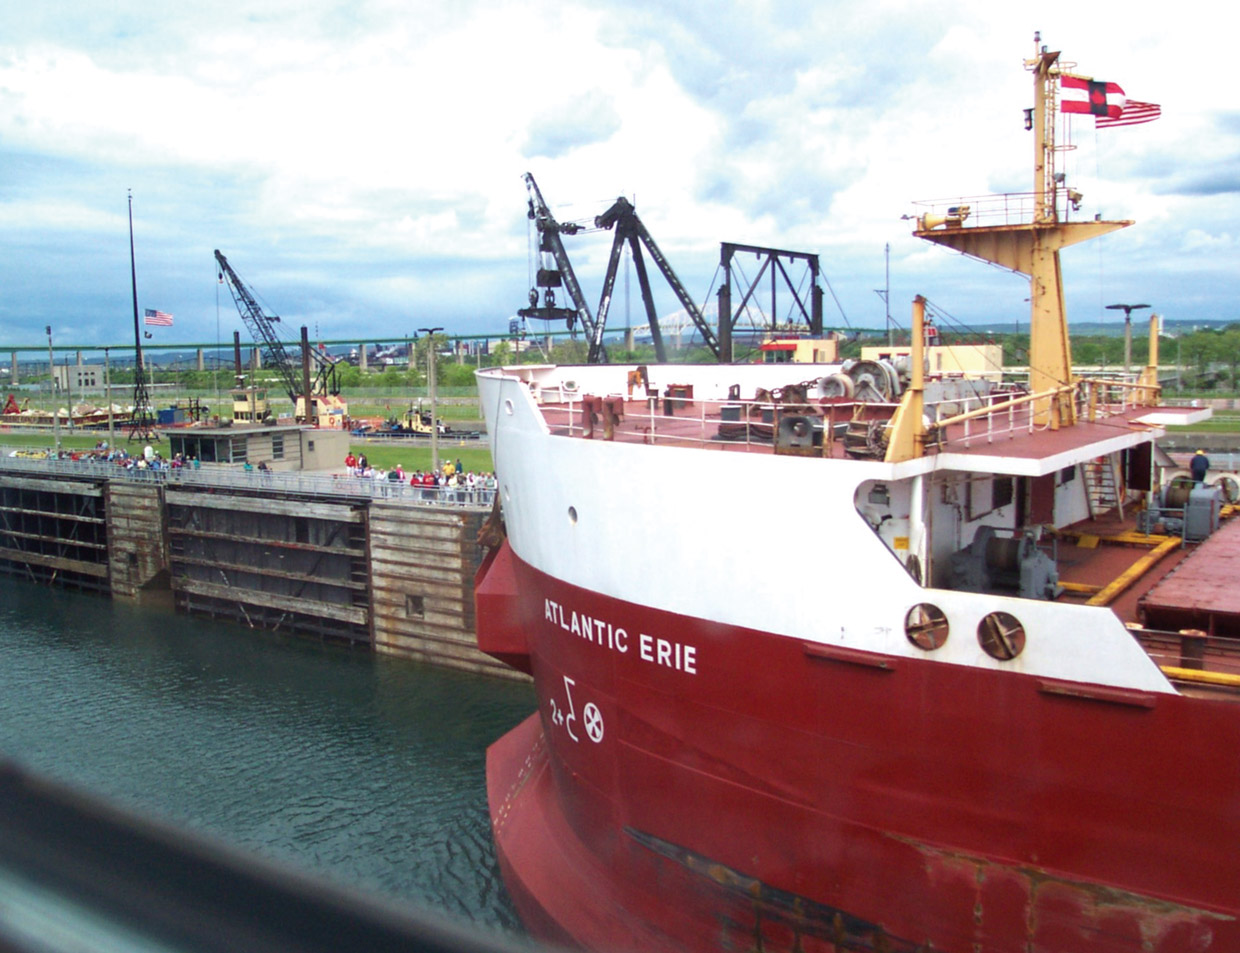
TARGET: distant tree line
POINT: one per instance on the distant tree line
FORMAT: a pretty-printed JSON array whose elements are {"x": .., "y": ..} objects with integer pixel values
[{"x": 1209, "y": 359}]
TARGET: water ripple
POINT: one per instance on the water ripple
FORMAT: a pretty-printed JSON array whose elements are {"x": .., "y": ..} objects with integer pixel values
[{"x": 367, "y": 770}]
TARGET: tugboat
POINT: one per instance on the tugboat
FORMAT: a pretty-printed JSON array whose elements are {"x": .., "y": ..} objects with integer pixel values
[{"x": 817, "y": 673}]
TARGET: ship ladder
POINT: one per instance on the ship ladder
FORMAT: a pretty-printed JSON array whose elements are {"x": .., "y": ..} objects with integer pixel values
[{"x": 1105, "y": 492}]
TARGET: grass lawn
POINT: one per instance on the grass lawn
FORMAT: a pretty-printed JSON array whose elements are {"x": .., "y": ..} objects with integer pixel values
[
  {"x": 1221, "y": 422},
  {"x": 474, "y": 455},
  {"x": 67, "y": 441},
  {"x": 460, "y": 414}
]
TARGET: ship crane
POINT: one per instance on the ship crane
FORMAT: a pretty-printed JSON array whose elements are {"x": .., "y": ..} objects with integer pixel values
[
  {"x": 555, "y": 271},
  {"x": 262, "y": 329},
  {"x": 622, "y": 217}
]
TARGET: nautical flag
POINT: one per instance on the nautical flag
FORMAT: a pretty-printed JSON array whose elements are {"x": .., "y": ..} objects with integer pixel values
[
  {"x": 160, "y": 319},
  {"x": 1091, "y": 97},
  {"x": 1131, "y": 113}
]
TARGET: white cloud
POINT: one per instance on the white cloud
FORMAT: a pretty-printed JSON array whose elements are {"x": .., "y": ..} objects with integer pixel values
[{"x": 369, "y": 158}]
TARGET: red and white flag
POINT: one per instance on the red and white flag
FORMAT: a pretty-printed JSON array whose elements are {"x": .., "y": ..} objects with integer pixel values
[
  {"x": 1091, "y": 97},
  {"x": 159, "y": 319}
]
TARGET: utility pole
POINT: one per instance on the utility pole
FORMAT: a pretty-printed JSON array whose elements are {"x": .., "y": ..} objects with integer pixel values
[
  {"x": 51, "y": 368},
  {"x": 887, "y": 292},
  {"x": 1128, "y": 309},
  {"x": 430, "y": 383},
  {"x": 107, "y": 389},
  {"x": 69, "y": 394}
]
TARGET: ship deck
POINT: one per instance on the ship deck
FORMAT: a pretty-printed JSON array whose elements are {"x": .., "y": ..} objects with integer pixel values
[
  {"x": 1179, "y": 600},
  {"x": 1024, "y": 446}
]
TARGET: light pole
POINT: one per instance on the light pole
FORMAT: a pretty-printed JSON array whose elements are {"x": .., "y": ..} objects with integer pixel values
[
  {"x": 107, "y": 388},
  {"x": 51, "y": 366},
  {"x": 1128, "y": 309},
  {"x": 430, "y": 384}
]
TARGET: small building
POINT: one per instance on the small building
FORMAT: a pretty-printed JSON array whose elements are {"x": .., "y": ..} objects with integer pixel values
[
  {"x": 77, "y": 377},
  {"x": 280, "y": 446},
  {"x": 250, "y": 405},
  {"x": 800, "y": 350},
  {"x": 968, "y": 360}
]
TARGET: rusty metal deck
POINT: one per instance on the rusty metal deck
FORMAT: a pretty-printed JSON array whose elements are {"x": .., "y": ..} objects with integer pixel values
[{"x": 1203, "y": 592}]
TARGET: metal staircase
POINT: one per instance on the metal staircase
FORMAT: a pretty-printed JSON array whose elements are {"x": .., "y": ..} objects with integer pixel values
[{"x": 1105, "y": 488}]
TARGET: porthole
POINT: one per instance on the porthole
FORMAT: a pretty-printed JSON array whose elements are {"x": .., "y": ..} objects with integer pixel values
[
  {"x": 572, "y": 515},
  {"x": 1001, "y": 636},
  {"x": 508, "y": 408},
  {"x": 926, "y": 626}
]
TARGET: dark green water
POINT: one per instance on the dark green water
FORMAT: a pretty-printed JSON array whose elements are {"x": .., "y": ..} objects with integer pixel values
[{"x": 364, "y": 770}]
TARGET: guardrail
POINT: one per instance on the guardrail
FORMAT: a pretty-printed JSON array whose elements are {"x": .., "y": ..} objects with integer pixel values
[
  {"x": 744, "y": 423},
  {"x": 272, "y": 481},
  {"x": 1005, "y": 416},
  {"x": 995, "y": 209}
]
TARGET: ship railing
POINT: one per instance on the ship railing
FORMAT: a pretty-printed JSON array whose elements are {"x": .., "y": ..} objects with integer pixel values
[
  {"x": 688, "y": 419},
  {"x": 994, "y": 210},
  {"x": 231, "y": 476},
  {"x": 1000, "y": 416},
  {"x": 1104, "y": 397},
  {"x": 719, "y": 423},
  {"x": 1194, "y": 657},
  {"x": 1004, "y": 416}
]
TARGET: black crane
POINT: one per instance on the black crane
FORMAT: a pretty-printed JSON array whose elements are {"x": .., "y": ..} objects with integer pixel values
[
  {"x": 262, "y": 330},
  {"x": 555, "y": 271},
  {"x": 629, "y": 228}
]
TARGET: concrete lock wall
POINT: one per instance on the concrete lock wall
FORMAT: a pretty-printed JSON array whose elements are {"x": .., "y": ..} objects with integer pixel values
[{"x": 392, "y": 575}]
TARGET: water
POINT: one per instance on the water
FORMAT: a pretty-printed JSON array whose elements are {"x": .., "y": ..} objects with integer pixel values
[{"x": 361, "y": 769}]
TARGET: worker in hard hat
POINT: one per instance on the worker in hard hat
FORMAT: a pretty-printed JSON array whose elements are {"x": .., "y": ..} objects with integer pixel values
[{"x": 1200, "y": 464}]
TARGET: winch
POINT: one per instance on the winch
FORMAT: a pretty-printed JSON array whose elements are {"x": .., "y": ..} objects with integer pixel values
[{"x": 993, "y": 562}]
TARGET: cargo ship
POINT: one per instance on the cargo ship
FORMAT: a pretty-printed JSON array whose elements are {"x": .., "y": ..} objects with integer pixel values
[{"x": 823, "y": 673}]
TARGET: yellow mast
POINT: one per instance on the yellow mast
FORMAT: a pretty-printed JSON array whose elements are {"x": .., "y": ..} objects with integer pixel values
[
  {"x": 906, "y": 435},
  {"x": 1149, "y": 376},
  {"x": 1032, "y": 248}
]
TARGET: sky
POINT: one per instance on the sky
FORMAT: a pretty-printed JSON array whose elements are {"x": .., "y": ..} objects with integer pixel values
[{"x": 360, "y": 164}]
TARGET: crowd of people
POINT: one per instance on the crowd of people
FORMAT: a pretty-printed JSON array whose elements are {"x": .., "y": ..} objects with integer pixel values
[
  {"x": 450, "y": 483},
  {"x": 451, "y": 477},
  {"x": 148, "y": 459}
]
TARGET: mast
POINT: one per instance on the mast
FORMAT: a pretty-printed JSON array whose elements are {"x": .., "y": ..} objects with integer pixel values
[
  {"x": 1031, "y": 247},
  {"x": 1043, "y": 131}
]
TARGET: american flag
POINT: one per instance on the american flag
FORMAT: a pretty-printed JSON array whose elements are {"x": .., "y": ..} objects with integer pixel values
[
  {"x": 1131, "y": 113},
  {"x": 160, "y": 319}
]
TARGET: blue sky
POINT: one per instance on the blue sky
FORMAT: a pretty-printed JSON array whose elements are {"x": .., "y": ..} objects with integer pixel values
[{"x": 360, "y": 164}]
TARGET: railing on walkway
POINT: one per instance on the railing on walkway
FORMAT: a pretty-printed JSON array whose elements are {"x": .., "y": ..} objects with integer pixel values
[
  {"x": 996, "y": 209},
  {"x": 747, "y": 424},
  {"x": 1006, "y": 416},
  {"x": 233, "y": 477}
]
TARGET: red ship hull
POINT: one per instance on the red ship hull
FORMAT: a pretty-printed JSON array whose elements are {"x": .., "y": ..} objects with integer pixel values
[{"x": 688, "y": 785}]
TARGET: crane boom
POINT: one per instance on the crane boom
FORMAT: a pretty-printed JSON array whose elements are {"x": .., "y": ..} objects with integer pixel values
[
  {"x": 629, "y": 228},
  {"x": 262, "y": 330},
  {"x": 549, "y": 243}
]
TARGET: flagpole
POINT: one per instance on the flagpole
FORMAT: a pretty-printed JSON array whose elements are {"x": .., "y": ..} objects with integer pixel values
[{"x": 140, "y": 428}]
